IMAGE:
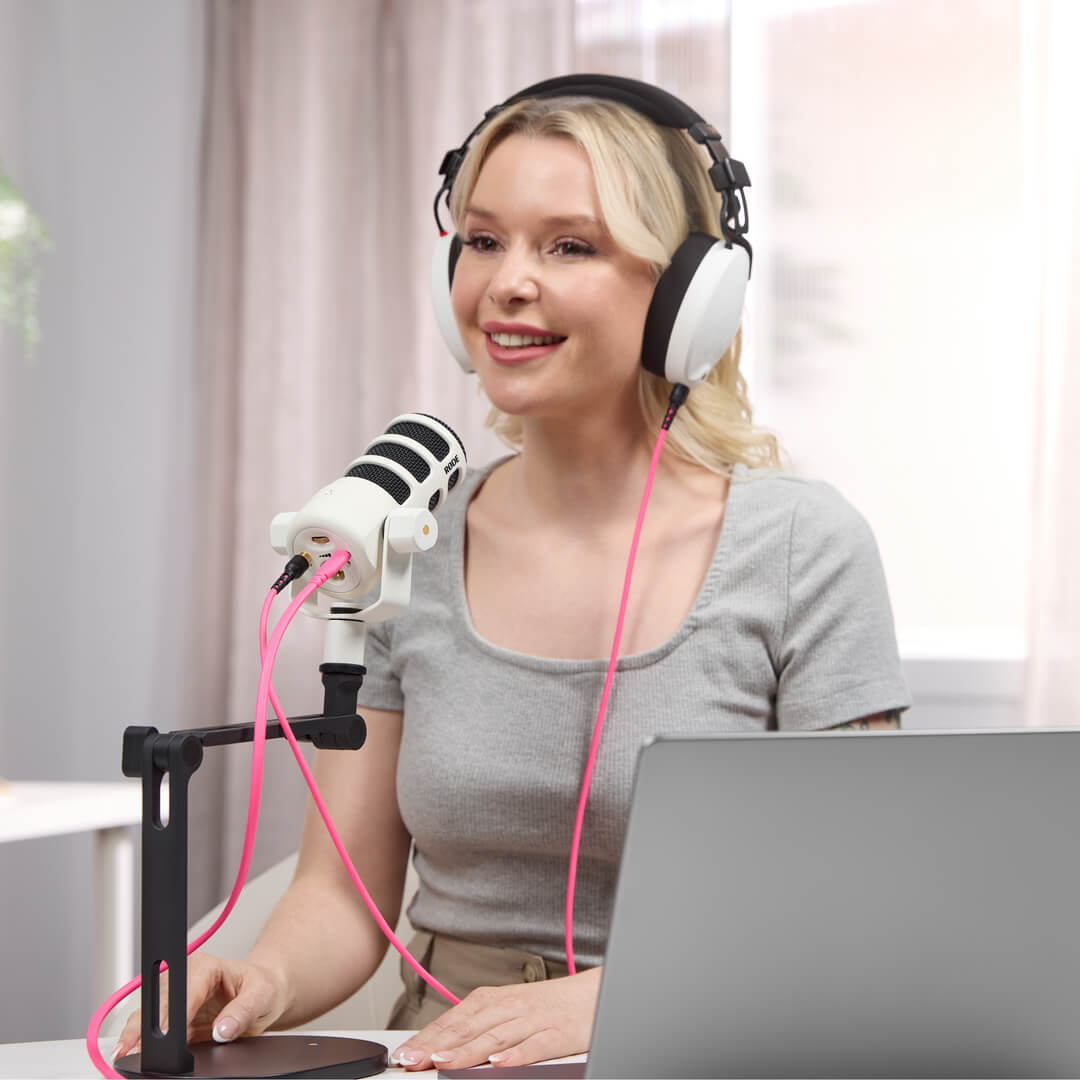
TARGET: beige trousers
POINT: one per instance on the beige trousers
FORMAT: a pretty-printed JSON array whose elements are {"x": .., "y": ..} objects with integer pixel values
[{"x": 461, "y": 966}]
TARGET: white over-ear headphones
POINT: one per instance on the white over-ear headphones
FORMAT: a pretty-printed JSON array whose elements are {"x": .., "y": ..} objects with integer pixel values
[{"x": 698, "y": 301}]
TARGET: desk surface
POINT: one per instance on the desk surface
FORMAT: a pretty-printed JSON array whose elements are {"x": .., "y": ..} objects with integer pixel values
[
  {"x": 68, "y": 1057},
  {"x": 31, "y": 809}
]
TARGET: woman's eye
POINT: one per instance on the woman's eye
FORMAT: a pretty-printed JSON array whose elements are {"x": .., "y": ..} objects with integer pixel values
[
  {"x": 480, "y": 242},
  {"x": 573, "y": 247}
]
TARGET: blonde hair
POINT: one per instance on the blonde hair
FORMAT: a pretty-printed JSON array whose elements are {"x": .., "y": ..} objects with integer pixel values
[{"x": 653, "y": 189}]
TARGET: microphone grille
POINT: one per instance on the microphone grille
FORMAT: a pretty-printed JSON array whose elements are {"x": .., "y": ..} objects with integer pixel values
[
  {"x": 406, "y": 458},
  {"x": 386, "y": 479},
  {"x": 421, "y": 433},
  {"x": 464, "y": 456}
]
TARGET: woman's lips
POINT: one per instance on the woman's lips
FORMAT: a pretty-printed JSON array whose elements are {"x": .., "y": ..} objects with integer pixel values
[{"x": 520, "y": 354}]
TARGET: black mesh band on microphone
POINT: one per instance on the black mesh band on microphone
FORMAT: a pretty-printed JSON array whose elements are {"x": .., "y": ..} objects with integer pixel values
[
  {"x": 430, "y": 440},
  {"x": 464, "y": 456},
  {"x": 388, "y": 480},
  {"x": 406, "y": 458}
]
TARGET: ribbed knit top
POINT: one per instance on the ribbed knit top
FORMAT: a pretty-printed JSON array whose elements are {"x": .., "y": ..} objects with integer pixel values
[{"x": 792, "y": 630}]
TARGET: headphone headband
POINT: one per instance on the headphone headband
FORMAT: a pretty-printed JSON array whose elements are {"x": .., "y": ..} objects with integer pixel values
[
  {"x": 658, "y": 105},
  {"x": 728, "y": 176}
]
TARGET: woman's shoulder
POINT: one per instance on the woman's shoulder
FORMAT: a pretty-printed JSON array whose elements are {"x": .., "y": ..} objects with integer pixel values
[
  {"x": 806, "y": 505},
  {"x": 475, "y": 478},
  {"x": 786, "y": 490}
]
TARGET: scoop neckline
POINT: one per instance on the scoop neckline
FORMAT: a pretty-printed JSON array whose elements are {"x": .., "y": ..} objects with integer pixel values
[{"x": 567, "y": 665}]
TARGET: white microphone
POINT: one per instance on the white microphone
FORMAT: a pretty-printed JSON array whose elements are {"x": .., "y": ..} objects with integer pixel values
[{"x": 381, "y": 511}]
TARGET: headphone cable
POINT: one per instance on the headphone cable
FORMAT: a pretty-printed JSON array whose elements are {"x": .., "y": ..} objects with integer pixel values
[{"x": 679, "y": 394}]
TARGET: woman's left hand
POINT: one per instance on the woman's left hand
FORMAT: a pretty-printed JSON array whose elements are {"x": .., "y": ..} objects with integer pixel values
[{"x": 508, "y": 1025}]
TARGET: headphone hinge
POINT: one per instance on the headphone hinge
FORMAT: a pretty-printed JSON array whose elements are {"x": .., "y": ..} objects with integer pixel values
[
  {"x": 727, "y": 174},
  {"x": 451, "y": 162},
  {"x": 702, "y": 131}
]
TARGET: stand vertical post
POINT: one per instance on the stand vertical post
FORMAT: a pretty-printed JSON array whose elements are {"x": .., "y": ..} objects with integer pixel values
[{"x": 164, "y": 890}]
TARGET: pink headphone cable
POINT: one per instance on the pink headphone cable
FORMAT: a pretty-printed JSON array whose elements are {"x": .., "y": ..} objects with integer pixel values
[{"x": 590, "y": 764}]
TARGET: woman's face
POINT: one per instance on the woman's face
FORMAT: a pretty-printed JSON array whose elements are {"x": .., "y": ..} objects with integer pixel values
[{"x": 550, "y": 309}]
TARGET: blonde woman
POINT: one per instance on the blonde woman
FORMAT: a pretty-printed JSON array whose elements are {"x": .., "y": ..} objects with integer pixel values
[{"x": 758, "y": 603}]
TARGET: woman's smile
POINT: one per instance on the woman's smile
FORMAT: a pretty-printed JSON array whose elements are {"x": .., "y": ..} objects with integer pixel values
[{"x": 518, "y": 343}]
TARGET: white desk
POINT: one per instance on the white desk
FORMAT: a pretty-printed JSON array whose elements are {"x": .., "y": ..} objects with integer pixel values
[
  {"x": 68, "y": 1058},
  {"x": 29, "y": 811}
]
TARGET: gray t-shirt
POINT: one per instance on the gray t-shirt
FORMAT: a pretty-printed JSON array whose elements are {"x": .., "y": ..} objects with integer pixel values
[{"x": 792, "y": 630}]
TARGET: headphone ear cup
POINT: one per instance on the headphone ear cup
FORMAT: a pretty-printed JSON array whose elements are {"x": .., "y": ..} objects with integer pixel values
[
  {"x": 696, "y": 309},
  {"x": 443, "y": 260}
]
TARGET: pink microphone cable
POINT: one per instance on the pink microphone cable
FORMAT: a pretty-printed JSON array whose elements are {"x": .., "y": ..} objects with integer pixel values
[
  {"x": 678, "y": 396},
  {"x": 330, "y": 567},
  {"x": 383, "y": 925}
]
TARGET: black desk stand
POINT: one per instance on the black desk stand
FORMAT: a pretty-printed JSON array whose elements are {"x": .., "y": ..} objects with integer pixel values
[{"x": 153, "y": 756}]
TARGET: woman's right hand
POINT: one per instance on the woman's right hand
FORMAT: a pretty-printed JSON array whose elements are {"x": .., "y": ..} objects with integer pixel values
[{"x": 226, "y": 999}]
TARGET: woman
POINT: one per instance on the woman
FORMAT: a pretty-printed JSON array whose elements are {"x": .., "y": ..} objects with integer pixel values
[{"x": 758, "y": 603}]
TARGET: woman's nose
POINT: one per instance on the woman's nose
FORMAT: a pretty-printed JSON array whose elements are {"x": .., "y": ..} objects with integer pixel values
[{"x": 514, "y": 279}]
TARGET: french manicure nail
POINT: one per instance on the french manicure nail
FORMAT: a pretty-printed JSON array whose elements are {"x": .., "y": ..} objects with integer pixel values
[
  {"x": 116, "y": 1051},
  {"x": 443, "y": 1056},
  {"x": 225, "y": 1030},
  {"x": 496, "y": 1058},
  {"x": 410, "y": 1057}
]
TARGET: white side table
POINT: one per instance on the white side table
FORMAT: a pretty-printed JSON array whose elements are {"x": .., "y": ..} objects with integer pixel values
[{"x": 29, "y": 810}]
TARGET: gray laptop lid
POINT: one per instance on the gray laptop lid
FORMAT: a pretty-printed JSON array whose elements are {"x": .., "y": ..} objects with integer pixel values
[{"x": 839, "y": 905}]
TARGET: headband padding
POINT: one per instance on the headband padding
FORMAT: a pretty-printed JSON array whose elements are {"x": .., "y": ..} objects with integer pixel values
[{"x": 658, "y": 105}]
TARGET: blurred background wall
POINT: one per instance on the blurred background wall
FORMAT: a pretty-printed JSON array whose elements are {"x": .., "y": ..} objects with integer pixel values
[
  {"x": 100, "y": 117},
  {"x": 239, "y": 197}
]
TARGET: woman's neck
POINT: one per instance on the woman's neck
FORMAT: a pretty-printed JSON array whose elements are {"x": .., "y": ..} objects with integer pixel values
[
  {"x": 592, "y": 474},
  {"x": 596, "y": 470}
]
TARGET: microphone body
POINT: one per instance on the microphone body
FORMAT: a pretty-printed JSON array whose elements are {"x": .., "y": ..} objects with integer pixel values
[{"x": 381, "y": 511}]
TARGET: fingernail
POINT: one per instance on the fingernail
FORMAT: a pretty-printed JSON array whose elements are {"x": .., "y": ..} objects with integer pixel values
[
  {"x": 443, "y": 1056},
  {"x": 410, "y": 1057},
  {"x": 496, "y": 1058},
  {"x": 225, "y": 1030},
  {"x": 116, "y": 1051}
]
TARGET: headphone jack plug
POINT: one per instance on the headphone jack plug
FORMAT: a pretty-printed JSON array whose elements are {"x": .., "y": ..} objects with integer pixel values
[
  {"x": 296, "y": 566},
  {"x": 679, "y": 394}
]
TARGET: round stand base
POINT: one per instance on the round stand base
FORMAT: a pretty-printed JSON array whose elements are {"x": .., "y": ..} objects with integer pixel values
[{"x": 266, "y": 1056}]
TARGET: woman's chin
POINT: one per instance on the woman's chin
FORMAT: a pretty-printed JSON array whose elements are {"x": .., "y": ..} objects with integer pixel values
[{"x": 512, "y": 396}]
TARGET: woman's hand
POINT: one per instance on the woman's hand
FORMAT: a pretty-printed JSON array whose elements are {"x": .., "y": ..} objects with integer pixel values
[
  {"x": 225, "y": 999},
  {"x": 509, "y": 1025}
]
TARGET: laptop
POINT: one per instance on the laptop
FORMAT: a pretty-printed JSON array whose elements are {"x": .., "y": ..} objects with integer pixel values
[
  {"x": 880, "y": 904},
  {"x": 893, "y": 904}
]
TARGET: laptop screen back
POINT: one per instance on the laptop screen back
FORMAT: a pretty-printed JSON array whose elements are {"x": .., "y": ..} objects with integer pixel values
[{"x": 835, "y": 905}]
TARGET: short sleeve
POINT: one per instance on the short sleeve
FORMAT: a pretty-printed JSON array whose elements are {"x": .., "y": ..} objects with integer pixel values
[
  {"x": 382, "y": 687},
  {"x": 838, "y": 658}
]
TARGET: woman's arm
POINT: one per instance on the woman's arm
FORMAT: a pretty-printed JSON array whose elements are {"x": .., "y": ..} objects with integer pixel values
[{"x": 320, "y": 940}]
